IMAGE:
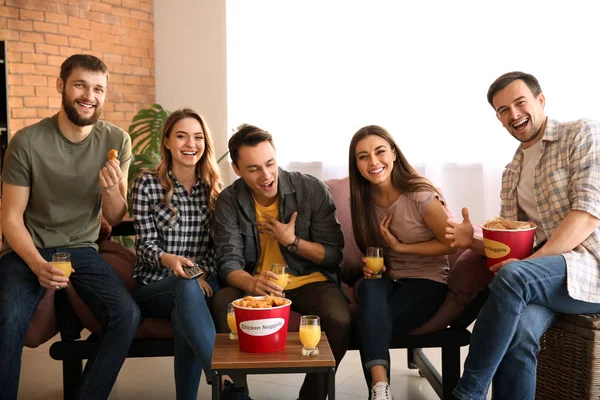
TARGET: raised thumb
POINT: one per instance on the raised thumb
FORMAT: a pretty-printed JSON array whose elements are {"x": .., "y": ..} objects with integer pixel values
[{"x": 465, "y": 214}]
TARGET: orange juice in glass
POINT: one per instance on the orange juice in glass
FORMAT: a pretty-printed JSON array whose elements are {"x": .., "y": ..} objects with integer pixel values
[
  {"x": 231, "y": 321},
  {"x": 283, "y": 277},
  {"x": 375, "y": 261},
  {"x": 310, "y": 334},
  {"x": 62, "y": 261}
]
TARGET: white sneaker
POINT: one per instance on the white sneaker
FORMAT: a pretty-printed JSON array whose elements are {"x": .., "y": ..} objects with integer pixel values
[{"x": 381, "y": 391}]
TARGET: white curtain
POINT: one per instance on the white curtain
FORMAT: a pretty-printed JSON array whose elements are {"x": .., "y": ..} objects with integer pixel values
[{"x": 313, "y": 72}]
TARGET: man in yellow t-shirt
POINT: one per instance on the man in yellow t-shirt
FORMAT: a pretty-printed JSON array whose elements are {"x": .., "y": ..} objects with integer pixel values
[{"x": 271, "y": 216}]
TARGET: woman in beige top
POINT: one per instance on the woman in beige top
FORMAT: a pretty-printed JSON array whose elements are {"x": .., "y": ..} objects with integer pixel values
[{"x": 395, "y": 208}]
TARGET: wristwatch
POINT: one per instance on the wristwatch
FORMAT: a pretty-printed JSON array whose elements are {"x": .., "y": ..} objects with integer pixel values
[{"x": 293, "y": 247}]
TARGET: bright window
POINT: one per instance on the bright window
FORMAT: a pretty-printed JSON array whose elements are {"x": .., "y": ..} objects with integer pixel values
[{"x": 312, "y": 72}]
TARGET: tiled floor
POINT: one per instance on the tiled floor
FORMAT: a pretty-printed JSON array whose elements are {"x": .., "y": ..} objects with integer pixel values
[{"x": 152, "y": 379}]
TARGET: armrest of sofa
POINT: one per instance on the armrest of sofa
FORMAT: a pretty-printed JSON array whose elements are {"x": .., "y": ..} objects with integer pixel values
[
  {"x": 43, "y": 325},
  {"x": 125, "y": 228},
  {"x": 469, "y": 277}
]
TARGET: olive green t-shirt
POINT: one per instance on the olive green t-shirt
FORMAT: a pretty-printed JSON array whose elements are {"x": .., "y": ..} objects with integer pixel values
[{"x": 65, "y": 200}]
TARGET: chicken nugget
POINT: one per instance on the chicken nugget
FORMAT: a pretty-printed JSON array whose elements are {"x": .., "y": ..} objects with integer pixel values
[
  {"x": 278, "y": 301},
  {"x": 496, "y": 225},
  {"x": 525, "y": 225},
  {"x": 113, "y": 154},
  {"x": 264, "y": 304}
]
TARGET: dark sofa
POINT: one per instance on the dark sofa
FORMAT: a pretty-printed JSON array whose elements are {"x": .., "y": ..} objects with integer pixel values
[{"x": 63, "y": 311}]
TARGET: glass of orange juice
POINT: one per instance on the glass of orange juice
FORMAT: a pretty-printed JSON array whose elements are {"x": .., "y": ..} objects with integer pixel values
[
  {"x": 62, "y": 261},
  {"x": 310, "y": 334},
  {"x": 283, "y": 277},
  {"x": 375, "y": 261},
  {"x": 233, "y": 335}
]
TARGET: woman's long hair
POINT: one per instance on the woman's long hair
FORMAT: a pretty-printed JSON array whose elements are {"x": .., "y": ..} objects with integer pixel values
[
  {"x": 404, "y": 178},
  {"x": 207, "y": 169}
]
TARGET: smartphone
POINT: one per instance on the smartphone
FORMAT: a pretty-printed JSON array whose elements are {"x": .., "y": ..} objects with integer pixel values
[{"x": 193, "y": 271}]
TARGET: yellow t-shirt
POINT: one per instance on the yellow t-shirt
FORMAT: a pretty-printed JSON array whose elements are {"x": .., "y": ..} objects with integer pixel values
[
  {"x": 271, "y": 254},
  {"x": 297, "y": 281},
  {"x": 269, "y": 246}
]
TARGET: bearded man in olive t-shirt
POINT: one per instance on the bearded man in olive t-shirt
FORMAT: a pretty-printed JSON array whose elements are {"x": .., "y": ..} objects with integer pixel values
[{"x": 56, "y": 181}]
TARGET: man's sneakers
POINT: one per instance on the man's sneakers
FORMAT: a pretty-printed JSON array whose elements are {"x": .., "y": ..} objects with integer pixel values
[
  {"x": 232, "y": 392},
  {"x": 381, "y": 391}
]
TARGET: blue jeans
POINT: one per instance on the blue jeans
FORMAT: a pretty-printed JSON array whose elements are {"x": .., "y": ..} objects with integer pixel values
[
  {"x": 182, "y": 301},
  {"x": 99, "y": 287},
  {"x": 524, "y": 296},
  {"x": 387, "y": 307}
]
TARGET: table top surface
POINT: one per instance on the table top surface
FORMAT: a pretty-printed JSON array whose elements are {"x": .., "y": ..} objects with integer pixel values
[{"x": 227, "y": 355}]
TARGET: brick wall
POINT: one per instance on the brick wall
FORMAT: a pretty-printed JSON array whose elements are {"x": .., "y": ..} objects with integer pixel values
[{"x": 41, "y": 34}]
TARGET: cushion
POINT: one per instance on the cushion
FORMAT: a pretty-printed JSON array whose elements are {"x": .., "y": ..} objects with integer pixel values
[
  {"x": 352, "y": 263},
  {"x": 121, "y": 259},
  {"x": 154, "y": 328},
  {"x": 105, "y": 230},
  {"x": 468, "y": 276},
  {"x": 43, "y": 325}
]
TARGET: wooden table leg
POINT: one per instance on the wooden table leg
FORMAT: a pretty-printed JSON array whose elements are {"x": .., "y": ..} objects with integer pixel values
[{"x": 331, "y": 383}]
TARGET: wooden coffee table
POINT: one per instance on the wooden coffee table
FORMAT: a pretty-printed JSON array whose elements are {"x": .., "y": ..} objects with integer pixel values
[{"x": 228, "y": 359}]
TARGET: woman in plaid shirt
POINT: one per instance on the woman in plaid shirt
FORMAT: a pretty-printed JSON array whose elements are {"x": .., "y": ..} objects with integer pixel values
[{"x": 172, "y": 209}]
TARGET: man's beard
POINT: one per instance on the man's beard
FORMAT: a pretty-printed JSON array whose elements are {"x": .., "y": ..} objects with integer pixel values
[{"x": 74, "y": 116}]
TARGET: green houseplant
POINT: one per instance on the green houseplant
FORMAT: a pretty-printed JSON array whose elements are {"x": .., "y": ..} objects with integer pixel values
[{"x": 146, "y": 132}]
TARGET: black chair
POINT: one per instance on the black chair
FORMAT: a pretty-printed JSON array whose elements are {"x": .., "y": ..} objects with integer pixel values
[{"x": 72, "y": 349}]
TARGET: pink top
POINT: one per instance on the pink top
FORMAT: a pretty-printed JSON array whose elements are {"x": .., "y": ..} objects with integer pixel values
[{"x": 409, "y": 227}]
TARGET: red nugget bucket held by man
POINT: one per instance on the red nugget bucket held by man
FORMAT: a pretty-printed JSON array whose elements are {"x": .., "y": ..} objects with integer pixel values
[
  {"x": 504, "y": 239},
  {"x": 262, "y": 323}
]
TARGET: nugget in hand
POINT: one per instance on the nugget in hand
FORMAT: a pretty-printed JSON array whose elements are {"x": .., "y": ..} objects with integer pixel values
[{"x": 113, "y": 154}]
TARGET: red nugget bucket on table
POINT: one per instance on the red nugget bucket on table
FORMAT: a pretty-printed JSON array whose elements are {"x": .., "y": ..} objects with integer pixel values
[
  {"x": 502, "y": 244},
  {"x": 262, "y": 330}
]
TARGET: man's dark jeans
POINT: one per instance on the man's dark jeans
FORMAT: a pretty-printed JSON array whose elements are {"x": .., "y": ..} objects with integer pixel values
[{"x": 99, "y": 287}]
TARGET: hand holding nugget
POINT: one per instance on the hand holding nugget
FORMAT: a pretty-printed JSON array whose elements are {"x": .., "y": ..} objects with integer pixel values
[
  {"x": 111, "y": 174},
  {"x": 113, "y": 154}
]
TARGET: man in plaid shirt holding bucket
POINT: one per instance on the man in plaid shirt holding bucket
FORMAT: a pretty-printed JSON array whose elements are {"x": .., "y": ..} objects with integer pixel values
[{"x": 553, "y": 181}]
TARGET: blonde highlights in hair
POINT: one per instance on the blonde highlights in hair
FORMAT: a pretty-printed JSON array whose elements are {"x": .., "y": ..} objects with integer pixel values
[{"x": 207, "y": 169}]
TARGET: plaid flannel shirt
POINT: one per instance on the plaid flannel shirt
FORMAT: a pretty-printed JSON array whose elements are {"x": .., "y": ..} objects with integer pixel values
[
  {"x": 566, "y": 178},
  {"x": 159, "y": 230}
]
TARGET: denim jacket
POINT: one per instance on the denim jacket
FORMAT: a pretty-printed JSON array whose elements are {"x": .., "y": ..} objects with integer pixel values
[{"x": 236, "y": 237}]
